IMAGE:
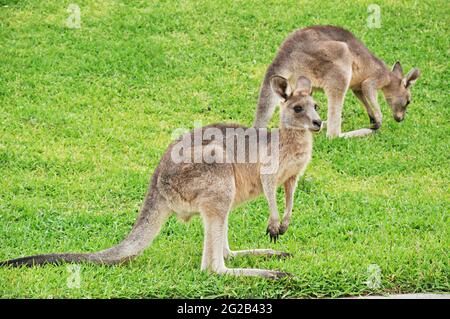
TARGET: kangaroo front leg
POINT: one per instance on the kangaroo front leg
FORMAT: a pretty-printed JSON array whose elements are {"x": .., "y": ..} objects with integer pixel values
[
  {"x": 364, "y": 131},
  {"x": 289, "y": 189},
  {"x": 366, "y": 104},
  {"x": 369, "y": 98},
  {"x": 269, "y": 185},
  {"x": 370, "y": 93}
]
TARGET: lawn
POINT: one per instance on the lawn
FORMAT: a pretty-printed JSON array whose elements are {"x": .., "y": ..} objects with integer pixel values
[{"x": 87, "y": 112}]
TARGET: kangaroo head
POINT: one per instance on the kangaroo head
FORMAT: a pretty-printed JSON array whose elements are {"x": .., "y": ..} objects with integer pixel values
[
  {"x": 298, "y": 109},
  {"x": 397, "y": 92}
]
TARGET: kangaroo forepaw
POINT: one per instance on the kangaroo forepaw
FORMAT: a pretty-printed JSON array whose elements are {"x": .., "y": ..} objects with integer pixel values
[
  {"x": 273, "y": 232},
  {"x": 374, "y": 124},
  {"x": 283, "y": 228}
]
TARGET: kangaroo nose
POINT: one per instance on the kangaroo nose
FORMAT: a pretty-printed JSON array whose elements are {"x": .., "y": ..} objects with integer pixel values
[{"x": 317, "y": 123}]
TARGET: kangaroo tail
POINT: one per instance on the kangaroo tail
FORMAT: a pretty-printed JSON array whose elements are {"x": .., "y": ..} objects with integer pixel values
[
  {"x": 266, "y": 102},
  {"x": 154, "y": 213}
]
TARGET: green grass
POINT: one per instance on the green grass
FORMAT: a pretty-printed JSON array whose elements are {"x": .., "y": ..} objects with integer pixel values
[{"x": 86, "y": 114}]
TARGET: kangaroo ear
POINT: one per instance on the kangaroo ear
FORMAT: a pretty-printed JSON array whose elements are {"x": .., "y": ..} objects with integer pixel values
[
  {"x": 280, "y": 86},
  {"x": 397, "y": 69},
  {"x": 411, "y": 77},
  {"x": 304, "y": 86}
]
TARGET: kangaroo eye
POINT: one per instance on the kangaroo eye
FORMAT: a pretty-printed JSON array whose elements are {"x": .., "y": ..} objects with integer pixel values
[
  {"x": 316, "y": 107},
  {"x": 298, "y": 109}
]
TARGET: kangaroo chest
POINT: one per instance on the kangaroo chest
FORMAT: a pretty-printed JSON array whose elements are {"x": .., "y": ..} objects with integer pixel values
[
  {"x": 295, "y": 154},
  {"x": 293, "y": 165}
]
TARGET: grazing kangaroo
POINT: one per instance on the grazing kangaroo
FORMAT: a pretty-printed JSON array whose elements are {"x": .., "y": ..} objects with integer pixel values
[
  {"x": 214, "y": 188},
  {"x": 335, "y": 60}
]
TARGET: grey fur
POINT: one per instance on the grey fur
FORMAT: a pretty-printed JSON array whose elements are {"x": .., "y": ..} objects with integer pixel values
[{"x": 335, "y": 61}]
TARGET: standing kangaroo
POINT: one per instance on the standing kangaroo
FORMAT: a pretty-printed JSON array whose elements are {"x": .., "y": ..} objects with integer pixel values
[
  {"x": 213, "y": 189},
  {"x": 335, "y": 60}
]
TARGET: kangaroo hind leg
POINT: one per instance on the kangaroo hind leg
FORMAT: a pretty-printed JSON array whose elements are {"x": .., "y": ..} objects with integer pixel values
[
  {"x": 267, "y": 102},
  {"x": 214, "y": 220},
  {"x": 228, "y": 253},
  {"x": 335, "y": 91}
]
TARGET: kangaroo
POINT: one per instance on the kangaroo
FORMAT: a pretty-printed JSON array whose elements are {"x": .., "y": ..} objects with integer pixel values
[
  {"x": 335, "y": 60},
  {"x": 213, "y": 189}
]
